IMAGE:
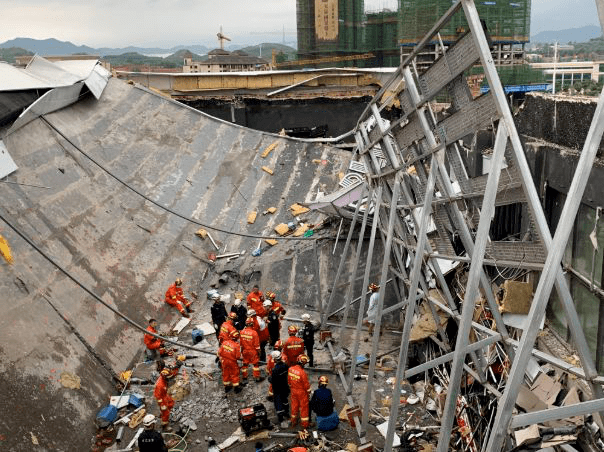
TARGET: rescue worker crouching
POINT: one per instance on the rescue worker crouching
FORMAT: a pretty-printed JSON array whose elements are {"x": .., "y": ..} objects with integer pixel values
[
  {"x": 155, "y": 346},
  {"x": 175, "y": 297},
  {"x": 322, "y": 405},
  {"x": 229, "y": 354},
  {"x": 151, "y": 440},
  {"x": 300, "y": 392},
  {"x": 250, "y": 349}
]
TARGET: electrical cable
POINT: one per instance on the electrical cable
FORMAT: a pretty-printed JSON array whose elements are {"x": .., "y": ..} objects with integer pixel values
[
  {"x": 166, "y": 208},
  {"x": 96, "y": 297}
]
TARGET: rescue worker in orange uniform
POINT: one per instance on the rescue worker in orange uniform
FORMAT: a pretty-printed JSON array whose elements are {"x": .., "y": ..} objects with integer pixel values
[
  {"x": 293, "y": 346},
  {"x": 155, "y": 346},
  {"x": 229, "y": 353},
  {"x": 255, "y": 300},
  {"x": 300, "y": 392},
  {"x": 250, "y": 349},
  {"x": 275, "y": 305},
  {"x": 165, "y": 402},
  {"x": 261, "y": 329},
  {"x": 175, "y": 296},
  {"x": 227, "y": 328},
  {"x": 270, "y": 365}
]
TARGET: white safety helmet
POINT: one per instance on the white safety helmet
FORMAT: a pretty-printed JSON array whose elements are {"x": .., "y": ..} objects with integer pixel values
[
  {"x": 276, "y": 354},
  {"x": 237, "y": 301},
  {"x": 251, "y": 312},
  {"x": 148, "y": 420},
  {"x": 215, "y": 296},
  {"x": 267, "y": 304},
  {"x": 305, "y": 317}
]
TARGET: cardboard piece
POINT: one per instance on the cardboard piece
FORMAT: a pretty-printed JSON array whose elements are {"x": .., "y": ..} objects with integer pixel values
[
  {"x": 546, "y": 388},
  {"x": 268, "y": 150},
  {"x": 297, "y": 209},
  {"x": 424, "y": 326},
  {"x": 201, "y": 233},
  {"x": 572, "y": 398},
  {"x": 299, "y": 232},
  {"x": 266, "y": 169},
  {"x": 271, "y": 242},
  {"x": 281, "y": 229},
  {"x": 517, "y": 297},
  {"x": 271, "y": 210},
  {"x": 251, "y": 217},
  {"x": 528, "y": 401},
  {"x": 527, "y": 435}
]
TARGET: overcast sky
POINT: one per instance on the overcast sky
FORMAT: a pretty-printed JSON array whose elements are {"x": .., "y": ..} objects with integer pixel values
[{"x": 119, "y": 23}]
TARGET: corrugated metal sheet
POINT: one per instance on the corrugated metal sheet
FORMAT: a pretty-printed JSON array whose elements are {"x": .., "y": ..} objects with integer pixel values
[{"x": 7, "y": 165}]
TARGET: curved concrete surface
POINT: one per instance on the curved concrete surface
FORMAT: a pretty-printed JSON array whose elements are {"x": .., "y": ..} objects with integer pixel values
[{"x": 126, "y": 249}]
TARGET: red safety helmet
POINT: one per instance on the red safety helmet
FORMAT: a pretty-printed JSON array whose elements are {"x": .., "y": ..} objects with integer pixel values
[
  {"x": 249, "y": 321},
  {"x": 292, "y": 330},
  {"x": 373, "y": 287},
  {"x": 232, "y": 316},
  {"x": 323, "y": 380},
  {"x": 278, "y": 345},
  {"x": 235, "y": 334},
  {"x": 302, "y": 359}
]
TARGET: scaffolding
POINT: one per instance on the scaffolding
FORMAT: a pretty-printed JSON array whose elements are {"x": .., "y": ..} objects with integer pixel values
[
  {"x": 411, "y": 176},
  {"x": 507, "y": 22}
]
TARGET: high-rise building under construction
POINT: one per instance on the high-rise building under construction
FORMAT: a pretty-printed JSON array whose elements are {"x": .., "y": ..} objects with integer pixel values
[{"x": 345, "y": 27}]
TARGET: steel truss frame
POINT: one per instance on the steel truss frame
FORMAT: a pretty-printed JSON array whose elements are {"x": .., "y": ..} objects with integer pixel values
[{"x": 412, "y": 166}]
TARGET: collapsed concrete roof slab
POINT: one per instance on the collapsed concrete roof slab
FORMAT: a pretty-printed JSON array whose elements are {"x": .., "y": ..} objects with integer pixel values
[{"x": 124, "y": 248}]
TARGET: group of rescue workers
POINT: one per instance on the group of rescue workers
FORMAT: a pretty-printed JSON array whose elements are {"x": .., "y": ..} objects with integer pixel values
[{"x": 243, "y": 335}]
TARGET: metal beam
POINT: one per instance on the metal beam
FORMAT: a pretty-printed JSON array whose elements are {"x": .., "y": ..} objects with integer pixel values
[
  {"x": 422, "y": 238},
  {"x": 482, "y": 236},
  {"x": 382, "y": 293},
  {"x": 555, "y": 413}
]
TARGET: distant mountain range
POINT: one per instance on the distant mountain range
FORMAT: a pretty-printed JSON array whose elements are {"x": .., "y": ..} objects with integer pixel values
[
  {"x": 582, "y": 34},
  {"x": 56, "y": 47}
]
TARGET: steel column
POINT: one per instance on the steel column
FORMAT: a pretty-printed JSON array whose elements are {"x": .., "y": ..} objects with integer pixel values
[{"x": 382, "y": 293}]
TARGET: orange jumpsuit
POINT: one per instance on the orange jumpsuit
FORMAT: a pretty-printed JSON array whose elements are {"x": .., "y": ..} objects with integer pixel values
[
  {"x": 292, "y": 348},
  {"x": 300, "y": 391},
  {"x": 163, "y": 399},
  {"x": 152, "y": 342},
  {"x": 225, "y": 331},
  {"x": 175, "y": 296},
  {"x": 270, "y": 365},
  {"x": 250, "y": 348},
  {"x": 278, "y": 308},
  {"x": 254, "y": 301},
  {"x": 229, "y": 352}
]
